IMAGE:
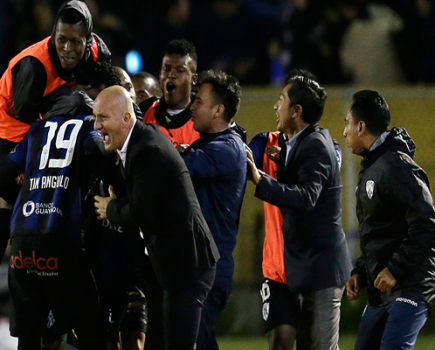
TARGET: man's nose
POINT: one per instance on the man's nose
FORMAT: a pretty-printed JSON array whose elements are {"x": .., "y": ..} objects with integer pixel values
[
  {"x": 172, "y": 73},
  {"x": 97, "y": 125},
  {"x": 67, "y": 46}
]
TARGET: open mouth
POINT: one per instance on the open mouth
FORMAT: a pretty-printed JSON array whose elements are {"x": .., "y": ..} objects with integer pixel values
[
  {"x": 68, "y": 60},
  {"x": 170, "y": 87},
  {"x": 105, "y": 137}
]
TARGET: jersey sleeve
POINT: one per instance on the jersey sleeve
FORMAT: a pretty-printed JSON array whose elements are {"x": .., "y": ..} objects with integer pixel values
[{"x": 29, "y": 80}]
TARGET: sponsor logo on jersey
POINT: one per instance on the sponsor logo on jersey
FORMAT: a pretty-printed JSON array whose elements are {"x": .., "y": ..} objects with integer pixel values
[
  {"x": 32, "y": 262},
  {"x": 40, "y": 209},
  {"x": 370, "y": 188}
]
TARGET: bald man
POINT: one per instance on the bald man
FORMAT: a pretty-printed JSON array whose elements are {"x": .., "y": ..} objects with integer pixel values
[{"x": 162, "y": 202}]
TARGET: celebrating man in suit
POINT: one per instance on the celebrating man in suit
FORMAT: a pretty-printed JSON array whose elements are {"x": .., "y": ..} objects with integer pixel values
[
  {"x": 162, "y": 202},
  {"x": 307, "y": 191}
]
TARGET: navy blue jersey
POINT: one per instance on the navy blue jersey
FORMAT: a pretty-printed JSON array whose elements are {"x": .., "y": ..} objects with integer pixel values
[{"x": 53, "y": 156}]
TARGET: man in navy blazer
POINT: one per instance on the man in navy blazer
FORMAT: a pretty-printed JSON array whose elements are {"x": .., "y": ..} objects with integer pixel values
[
  {"x": 307, "y": 191},
  {"x": 162, "y": 202}
]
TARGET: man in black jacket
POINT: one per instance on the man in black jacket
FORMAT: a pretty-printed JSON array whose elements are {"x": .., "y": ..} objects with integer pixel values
[
  {"x": 162, "y": 202},
  {"x": 396, "y": 225},
  {"x": 307, "y": 191}
]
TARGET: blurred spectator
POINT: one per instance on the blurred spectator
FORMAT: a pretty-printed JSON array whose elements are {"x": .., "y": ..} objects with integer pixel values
[
  {"x": 230, "y": 38},
  {"x": 170, "y": 22},
  {"x": 314, "y": 35},
  {"x": 145, "y": 85},
  {"x": 112, "y": 28},
  {"x": 368, "y": 52},
  {"x": 6, "y": 20},
  {"x": 415, "y": 44},
  {"x": 254, "y": 40}
]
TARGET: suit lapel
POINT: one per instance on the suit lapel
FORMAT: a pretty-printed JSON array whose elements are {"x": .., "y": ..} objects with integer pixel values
[
  {"x": 292, "y": 155},
  {"x": 134, "y": 139}
]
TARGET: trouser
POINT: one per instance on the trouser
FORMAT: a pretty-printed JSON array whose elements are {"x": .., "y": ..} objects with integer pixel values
[
  {"x": 182, "y": 312},
  {"x": 319, "y": 321},
  {"x": 394, "y": 326},
  {"x": 214, "y": 304}
]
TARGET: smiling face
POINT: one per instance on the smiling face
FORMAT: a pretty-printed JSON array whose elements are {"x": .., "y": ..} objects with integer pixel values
[
  {"x": 70, "y": 42},
  {"x": 284, "y": 112},
  {"x": 204, "y": 110},
  {"x": 176, "y": 79}
]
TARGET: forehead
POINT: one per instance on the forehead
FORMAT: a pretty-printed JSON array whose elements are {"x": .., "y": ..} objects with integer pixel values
[
  {"x": 349, "y": 117},
  {"x": 139, "y": 83},
  {"x": 125, "y": 78},
  {"x": 71, "y": 30},
  {"x": 205, "y": 91},
  {"x": 176, "y": 60},
  {"x": 102, "y": 106},
  {"x": 286, "y": 89}
]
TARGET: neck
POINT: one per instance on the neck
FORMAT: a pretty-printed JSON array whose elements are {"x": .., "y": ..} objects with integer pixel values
[
  {"x": 185, "y": 103},
  {"x": 219, "y": 126},
  {"x": 299, "y": 126},
  {"x": 370, "y": 140}
]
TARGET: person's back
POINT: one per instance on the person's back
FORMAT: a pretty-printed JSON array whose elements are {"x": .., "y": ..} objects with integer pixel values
[
  {"x": 48, "y": 269},
  {"x": 56, "y": 171}
]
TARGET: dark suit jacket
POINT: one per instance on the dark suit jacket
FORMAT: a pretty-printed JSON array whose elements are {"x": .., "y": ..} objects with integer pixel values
[
  {"x": 308, "y": 193},
  {"x": 162, "y": 202}
]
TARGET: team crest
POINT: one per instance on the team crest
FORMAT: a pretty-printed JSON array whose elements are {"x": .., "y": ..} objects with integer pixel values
[
  {"x": 370, "y": 188},
  {"x": 50, "y": 320},
  {"x": 266, "y": 307}
]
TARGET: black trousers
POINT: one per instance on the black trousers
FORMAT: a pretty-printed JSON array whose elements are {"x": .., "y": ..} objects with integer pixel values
[{"x": 182, "y": 312}]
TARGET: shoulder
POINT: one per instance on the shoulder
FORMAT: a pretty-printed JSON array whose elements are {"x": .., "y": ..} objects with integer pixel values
[
  {"x": 146, "y": 104},
  {"x": 259, "y": 138},
  {"x": 149, "y": 136}
]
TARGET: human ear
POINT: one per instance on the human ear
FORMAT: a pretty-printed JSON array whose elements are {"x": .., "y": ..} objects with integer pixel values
[{"x": 194, "y": 78}]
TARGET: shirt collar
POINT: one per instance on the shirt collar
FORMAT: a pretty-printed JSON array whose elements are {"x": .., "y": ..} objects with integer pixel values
[
  {"x": 123, "y": 152},
  {"x": 380, "y": 140},
  {"x": 290, "y": 143}
]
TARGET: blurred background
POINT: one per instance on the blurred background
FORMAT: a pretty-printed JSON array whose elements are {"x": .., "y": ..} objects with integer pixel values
[
  {"x": 341, "y": 41},
  {"x": 385, "y": 45}
]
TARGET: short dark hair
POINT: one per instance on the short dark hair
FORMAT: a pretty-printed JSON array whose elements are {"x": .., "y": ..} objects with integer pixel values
[
  {"x": 226, "y": 90},
  {"x": 369, "y": 106},
  {"x": 184, "y": 48},
  {"x": 99, "y": 73},
  {"x": 301, "y": 72},
  {"x": 310, "y": 95}
]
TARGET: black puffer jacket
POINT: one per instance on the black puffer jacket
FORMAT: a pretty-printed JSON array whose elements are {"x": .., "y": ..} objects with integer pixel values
[{"x": 396, "y": 218}]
